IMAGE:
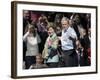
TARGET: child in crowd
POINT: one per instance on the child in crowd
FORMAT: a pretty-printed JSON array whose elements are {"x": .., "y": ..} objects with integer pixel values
[{"x": 39, "y": 63}]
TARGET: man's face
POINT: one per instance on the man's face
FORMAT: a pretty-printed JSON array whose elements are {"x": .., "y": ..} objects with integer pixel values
[
  {"x": 26, "y": 14},
  {"x": 65, "y": 24},
  {"x": 77, "y": 19}
]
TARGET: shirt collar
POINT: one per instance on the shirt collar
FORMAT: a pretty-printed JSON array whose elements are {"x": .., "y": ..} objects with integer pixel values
[{"x": 65, "y": 30}]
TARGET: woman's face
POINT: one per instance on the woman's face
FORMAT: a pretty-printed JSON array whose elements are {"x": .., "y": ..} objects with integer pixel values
[
  {"x": 50, "y": 31},
  {"x": 31, "y": 30}
]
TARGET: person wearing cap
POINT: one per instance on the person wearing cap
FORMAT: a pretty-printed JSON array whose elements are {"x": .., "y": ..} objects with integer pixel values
[
  {"x": 68, "y": 39},
  {"x": 32, "y": 39}
]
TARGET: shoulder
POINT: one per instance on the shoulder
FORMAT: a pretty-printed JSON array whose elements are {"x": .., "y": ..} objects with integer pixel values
[
  {"x": 44, "y": 65},
  {"x": 32, "y": 66},
  {"x": 70, "y": 28}
]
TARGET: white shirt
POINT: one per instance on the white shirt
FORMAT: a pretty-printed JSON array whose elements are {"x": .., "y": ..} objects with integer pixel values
[
  {"x": 32, "y": 44},
  {"x": 67, "y": 44}
]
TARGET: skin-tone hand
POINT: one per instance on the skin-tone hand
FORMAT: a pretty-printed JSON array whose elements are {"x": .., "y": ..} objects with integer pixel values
[{"x": 29, "y": 30}]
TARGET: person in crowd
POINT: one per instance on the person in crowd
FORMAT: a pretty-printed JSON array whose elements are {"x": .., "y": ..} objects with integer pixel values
[
  {"x": 25, "y": 23},
  {"x": 49, "y": 54},
  {"x": 50, "y": 17},
  {"x": 89, "y": 34},
  {"x": 88, "y": 20},
  {"x": 42, "y": 25},
  {"x": 26, "y": 20},
  {"x": 68, "y": 39},
  {"x": 89, "y": 45},
  {"x": 77, "y": 23},
  {"x": 58, "y": 31},
  {"x": 32, "y": 39},
  {"x": 39, "y": 63},
  {"x": 85, "y": 42},
  {"x": 73, "y": 22},
  {"x": 57, "y": 20},
  {"x": 79, "y": 51}
]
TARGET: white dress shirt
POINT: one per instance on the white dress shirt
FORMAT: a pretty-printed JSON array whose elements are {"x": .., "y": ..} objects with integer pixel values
[{"x": 66, "y": 42}]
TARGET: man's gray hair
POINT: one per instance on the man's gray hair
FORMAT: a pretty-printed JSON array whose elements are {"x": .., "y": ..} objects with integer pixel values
[{"x": 65, "y": 19}]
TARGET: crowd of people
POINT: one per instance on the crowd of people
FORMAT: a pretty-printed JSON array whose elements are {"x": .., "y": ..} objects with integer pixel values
[{"x": 56, "y": 39}]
